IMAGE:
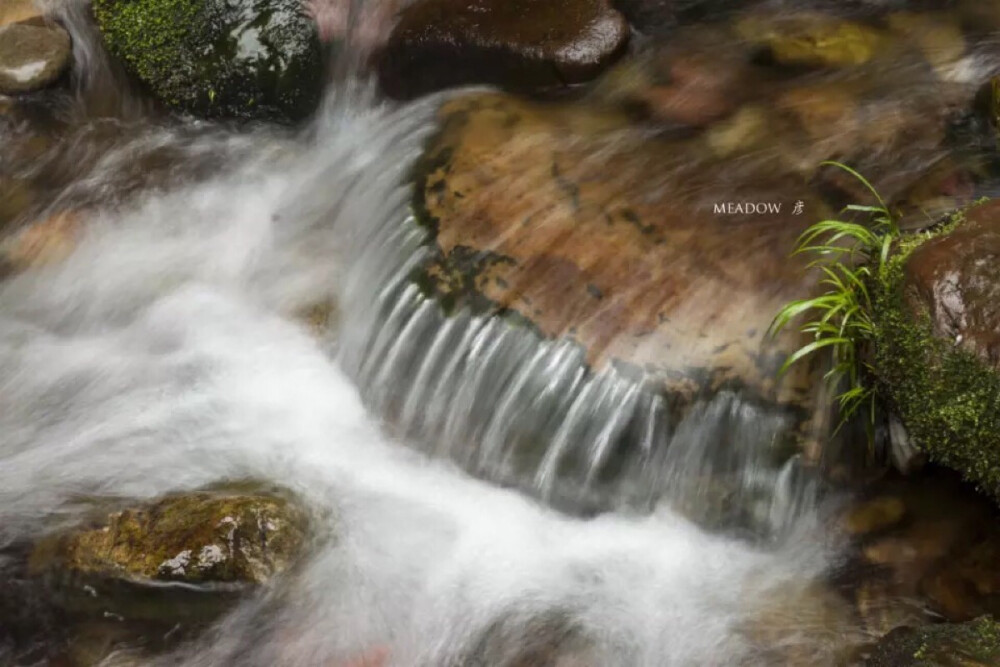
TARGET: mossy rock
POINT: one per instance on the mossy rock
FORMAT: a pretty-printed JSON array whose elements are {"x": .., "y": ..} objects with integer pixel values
[
  {"x": 936, "y": 349},
  {"x": 181, "y": 556},
  {"x": 258, "y": 59},
  {"x": 976, "y": 643}
]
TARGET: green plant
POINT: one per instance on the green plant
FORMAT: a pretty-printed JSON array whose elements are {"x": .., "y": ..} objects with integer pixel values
[{"x": 848, "y": 254}]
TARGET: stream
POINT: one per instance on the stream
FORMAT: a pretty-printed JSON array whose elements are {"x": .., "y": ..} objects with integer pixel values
[{"x": 171, "y": 347}]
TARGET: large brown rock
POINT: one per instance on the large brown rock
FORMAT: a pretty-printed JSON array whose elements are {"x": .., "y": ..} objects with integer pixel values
[
  {"x": 596, "y": 233},
  {"x": 956, "y": 279},
  {"x": 518, "y": 44}
]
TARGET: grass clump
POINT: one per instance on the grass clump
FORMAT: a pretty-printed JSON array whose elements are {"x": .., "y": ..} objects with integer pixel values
[
  {"x": 882, "y": 343},
  {"x": 851, "y": 257}
]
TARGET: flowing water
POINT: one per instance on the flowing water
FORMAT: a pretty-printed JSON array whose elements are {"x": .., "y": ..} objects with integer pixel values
[{"x": 167, "y": 351}]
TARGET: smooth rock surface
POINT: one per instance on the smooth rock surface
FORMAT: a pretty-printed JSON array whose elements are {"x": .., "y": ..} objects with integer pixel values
[
  {"x": 31, "y": 56},
  {"x": 602, "y": 236},
  {"x": 526, "y": 45}
]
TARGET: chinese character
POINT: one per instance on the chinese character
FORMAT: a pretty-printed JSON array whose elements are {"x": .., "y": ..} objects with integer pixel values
[{"x": 799, "y": 207}]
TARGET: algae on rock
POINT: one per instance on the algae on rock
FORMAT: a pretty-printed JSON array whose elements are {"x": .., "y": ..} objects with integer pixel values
[{"x": 257, "y": 59}]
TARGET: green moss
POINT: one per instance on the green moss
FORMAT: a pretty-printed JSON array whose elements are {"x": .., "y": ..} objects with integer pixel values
[
  {"x": 248, "y": 58},
  {"x": 975, "y": 642},
  {"x": 948, "y": 398}
]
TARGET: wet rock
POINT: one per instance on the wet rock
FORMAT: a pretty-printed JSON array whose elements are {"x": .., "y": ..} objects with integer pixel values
[
  {"x": 822, "y": 110},
  {"x": 882, "y": 610},
  {"x": 968, "y": 584},
  {"x": 31, "y": 57},
  {"x": 956, "y": 279},
  {"x": 811, "y": 40},
  {"x": 974, "y": 643},
  {"x": 874, "y": 515},
  {"x": 686, "y": 81},
  {"x": 700, "y": 91},
  {"x": 527, "y": 45},
  {"x": 242, "y": 59},
  {"x": 19, "y": 11},
  {"x": 215, "y": 544},
  {"x": 565, "y": 218},
  {"x": 747, "y": 129}
]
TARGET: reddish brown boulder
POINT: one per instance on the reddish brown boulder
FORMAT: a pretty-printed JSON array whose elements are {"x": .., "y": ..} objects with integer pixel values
[{"x": 956, "y": 279}]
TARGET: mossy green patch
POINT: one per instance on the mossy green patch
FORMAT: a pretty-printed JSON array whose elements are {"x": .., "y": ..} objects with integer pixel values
[{"x": 241, "y": 59}]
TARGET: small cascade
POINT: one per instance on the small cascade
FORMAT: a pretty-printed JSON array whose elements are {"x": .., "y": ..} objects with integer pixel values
[{"x": 507, "y": 405}]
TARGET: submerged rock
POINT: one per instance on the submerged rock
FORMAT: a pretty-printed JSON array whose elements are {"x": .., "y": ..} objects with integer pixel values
[
  {"x": 937, "y": 354},
  {"x": 937, "y": 36},
  {"x": 242, "y": 59},
  {"x": 214, "y": 544},
  {"x": 526, "y": 45},
  {"x": 874, "y": 515},
  {"x": 811, "y": 40},
  {"x": 968, "y": 644},
  {"x": 32, "y": 56}
]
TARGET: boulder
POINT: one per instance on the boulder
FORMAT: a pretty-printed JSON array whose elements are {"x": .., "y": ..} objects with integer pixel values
[
  {"x": 526, "y": 45},
  {"x": 258, "y": 59},
  {"x": 937, "y": 352},
  {"x": 31, "y": 57},
  {"x": 181, "y": 556},
  {"x": 955, "y": 278},
  {"x": 946, "y": 645}
]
